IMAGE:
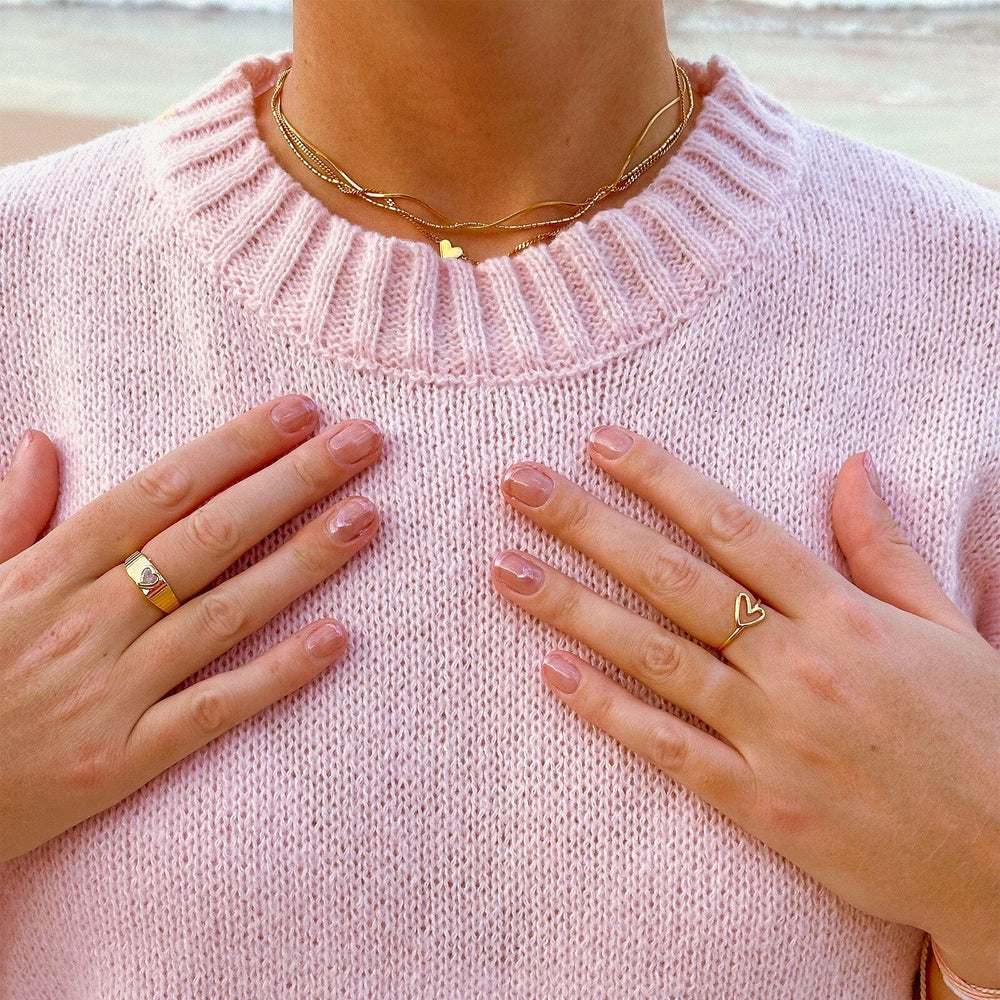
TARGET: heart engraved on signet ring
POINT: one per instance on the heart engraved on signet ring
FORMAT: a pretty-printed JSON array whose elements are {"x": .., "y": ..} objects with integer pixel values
[
  {"x": 743, "y": 602},
  {"x": 149, "y": 578}
]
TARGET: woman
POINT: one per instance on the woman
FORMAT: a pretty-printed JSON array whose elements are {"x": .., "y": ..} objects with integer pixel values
[{"x": 775, "y": 776}]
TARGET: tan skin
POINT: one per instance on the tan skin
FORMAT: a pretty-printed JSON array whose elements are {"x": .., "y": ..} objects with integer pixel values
[{"x": 558, "y": 93}]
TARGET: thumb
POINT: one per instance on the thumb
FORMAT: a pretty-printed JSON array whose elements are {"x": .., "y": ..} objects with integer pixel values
[
  {"x": 28, "y": 493},
  {"x": 881, "y": 560}
]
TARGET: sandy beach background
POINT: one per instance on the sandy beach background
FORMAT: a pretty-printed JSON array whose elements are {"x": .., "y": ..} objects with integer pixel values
[{"x": 922, "y": 80}]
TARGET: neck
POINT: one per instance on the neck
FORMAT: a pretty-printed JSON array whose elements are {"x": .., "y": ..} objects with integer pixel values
[{"x": 479, "y": 107}]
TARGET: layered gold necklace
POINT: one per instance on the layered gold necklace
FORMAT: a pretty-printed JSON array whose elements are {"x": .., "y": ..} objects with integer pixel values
[{"x": 325, "y": 168}]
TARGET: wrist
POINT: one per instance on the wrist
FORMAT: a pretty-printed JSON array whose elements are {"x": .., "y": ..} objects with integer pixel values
[{"x": 978, "y": 967}]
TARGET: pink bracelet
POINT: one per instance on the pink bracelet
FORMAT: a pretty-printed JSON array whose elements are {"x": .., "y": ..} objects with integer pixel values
[{"x": 958, "y": 986}]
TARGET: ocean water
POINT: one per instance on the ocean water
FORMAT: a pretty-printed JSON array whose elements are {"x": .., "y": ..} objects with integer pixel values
[
  {"x": 281, "y": 6},
  {"x": 971, "y": 21}
]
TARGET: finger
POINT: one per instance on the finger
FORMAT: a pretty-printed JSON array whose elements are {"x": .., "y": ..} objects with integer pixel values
[
  {"x": 683, "y": 587},
  {"x": 177, "y": 726},
  {"x": 125, "y": 518},
  {"x": 707, "y": 766},
  {"x": 674, "y": 668},
  {"x": 192, "y": 552},
  {"x": 205, "y": 627},
  {"x": 879, "y": 556},
  {"x": 781, "y": 571},
  {"x": 28, "y": 493}
]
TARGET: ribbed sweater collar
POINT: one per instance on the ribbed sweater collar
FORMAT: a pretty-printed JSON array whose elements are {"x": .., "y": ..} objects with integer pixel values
[{"x": 595, "y": 291}]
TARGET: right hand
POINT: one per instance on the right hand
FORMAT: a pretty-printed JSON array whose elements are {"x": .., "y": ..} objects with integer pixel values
[{"x": 85, "y": 657}]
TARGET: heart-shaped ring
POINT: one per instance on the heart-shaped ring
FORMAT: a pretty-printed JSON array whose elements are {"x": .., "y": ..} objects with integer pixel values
[{"x": 747, "y": 611}]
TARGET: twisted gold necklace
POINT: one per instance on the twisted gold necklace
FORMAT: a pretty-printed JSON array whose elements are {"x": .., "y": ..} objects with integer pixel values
[{"x": 312, "y": 158}]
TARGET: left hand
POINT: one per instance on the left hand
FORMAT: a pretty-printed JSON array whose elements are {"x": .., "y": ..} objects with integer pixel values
[{"x": 858, "y": 724}]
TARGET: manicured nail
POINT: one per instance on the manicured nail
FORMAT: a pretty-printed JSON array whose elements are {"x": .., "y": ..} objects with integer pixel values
[
  {"x": 351, "y": 518},
  {"x": 328, "y": 640},
  {"x": 558, "y": 672},
  {"x": 527, "y": 484},
  {"x": 873, "y": 478},
  {"x": 354, "y": 442},
  {"x": 22, "y": 446},
  {"x": 293, "y": 413},
  {"x": 516, "y": 573},
  {"x": 611, "y": 442}
]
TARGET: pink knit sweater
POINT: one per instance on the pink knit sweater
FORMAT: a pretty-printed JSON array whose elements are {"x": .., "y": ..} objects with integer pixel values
[{"x": 426, "y": 820}]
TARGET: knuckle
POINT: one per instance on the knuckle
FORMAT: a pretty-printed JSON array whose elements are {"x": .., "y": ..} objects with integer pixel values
[
  {"x": 804, "y": 746},
  {"x": 248, "y": 436},
  {"x": 313, "y": 480},
  {"x": 164, "y": 485},
  {"x": 896, "y": 541},
  {"x": 667, "y": 748},
  {"x": 285, "y": 670},
  {"x": 860, "y": 618},
  {"x": 62, "y": 636},
  {"x": 574, "y": 512},
  {"x": 656, "y": 470},
  {"x": 22, "y": 575},
  {"x": 732, "y": 522},
  {"x": 208, "y": 711},
  {"x": 827, "y": 680},
  {"x": 559, "y": 600},
  {"x": 222, "y": 615},
  {"x": 602, "y": 707},
  {"x": 311, "y": 558},
  {"x": 783, "y": 816},
  {"x": 668, "y": 571},
  {"x": 659, "y": 660},
  {"x": 212, "y": 530},
  {"x": 93, "y": 766}
]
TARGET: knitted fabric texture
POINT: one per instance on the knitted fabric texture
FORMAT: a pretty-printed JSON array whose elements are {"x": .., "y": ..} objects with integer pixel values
[{"x": 426, "y": 819}]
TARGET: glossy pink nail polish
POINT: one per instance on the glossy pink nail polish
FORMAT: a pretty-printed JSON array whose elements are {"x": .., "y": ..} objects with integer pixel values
[
  {"x": 351, "y": 518},
  {"x": 559, "y": 672},
  {"x": 611, "y": 442},
  {"x": 526, "y": 483},
  {"x": 515, "y": 572}
]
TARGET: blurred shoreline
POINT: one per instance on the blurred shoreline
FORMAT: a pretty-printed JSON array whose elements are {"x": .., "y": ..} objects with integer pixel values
[
  {"x": 25, "y": 135},
  {"x": 922, "y": 81}
]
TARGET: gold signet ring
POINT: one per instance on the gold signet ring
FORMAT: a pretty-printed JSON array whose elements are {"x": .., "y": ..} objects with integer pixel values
[{"x": 150, "y": 581}]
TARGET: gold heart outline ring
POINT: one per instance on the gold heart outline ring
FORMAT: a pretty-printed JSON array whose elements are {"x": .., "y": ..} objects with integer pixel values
[{"x": 754, "y": 613}]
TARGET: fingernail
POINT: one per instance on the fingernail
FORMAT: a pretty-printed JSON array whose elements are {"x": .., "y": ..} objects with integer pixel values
[
  {"x": 328, "y": 640},
  {"x": 22, "y": 446},
  {"x": 611, "y": 442},
  {"x": 558, "y": 672},
  {"x": 873, "y": 478},
  {"x": 527, "y": 484},
  {"x": 351, "y": 518},
  {"x": 293, "y": 413},
  {"x": 354, "y": 442},
  {"x": 516, "y": 573}
]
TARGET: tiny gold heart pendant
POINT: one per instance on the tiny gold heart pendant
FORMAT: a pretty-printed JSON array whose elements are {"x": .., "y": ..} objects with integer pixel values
[
  {"x": 447, "y": 250},
  {"x": 743, "y": 603}
]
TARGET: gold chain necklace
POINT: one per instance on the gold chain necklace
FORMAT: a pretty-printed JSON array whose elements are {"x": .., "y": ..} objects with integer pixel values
[{"x": 312, "y": 158}]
